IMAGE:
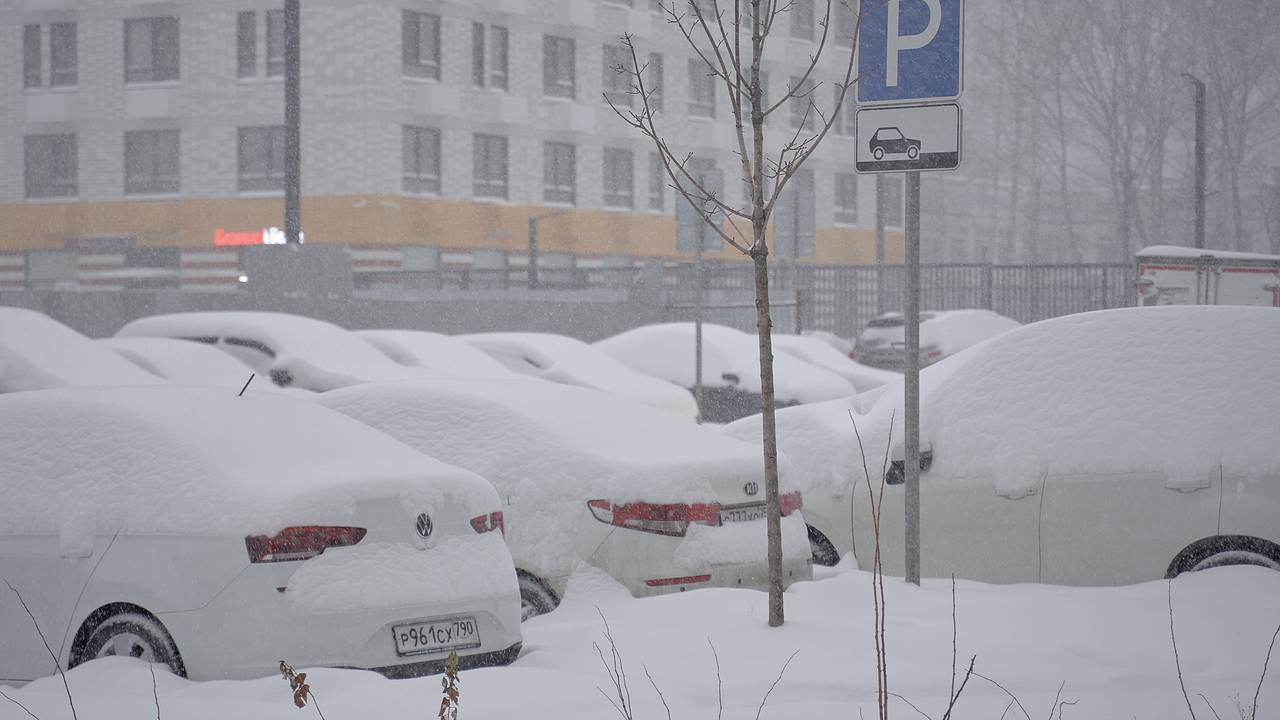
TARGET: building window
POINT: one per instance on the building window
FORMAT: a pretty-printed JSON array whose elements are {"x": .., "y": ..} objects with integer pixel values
[
  {"x": 151, "y": 165},
  {"x": 846, "y": 22},
  {"x": 489, "y": 166},
  {"x": 246, "y": 44},
  {"x": 558, "y": 67},
  {"x": 31, "y": 73},
  {"x": 616, "y": 79},
  {"x": 420, "y": 149},
  {"x": 657, "y": 183},
  {"x": 275, "y": 43},
  {"x": 702, "y": 90},
  {"x": 489, "y": 56},
  {"x": 801, "y": 100},
  {"x": 64, "y": 58},
  {"x": 846, "y": 200},
  {"x": 151, "y": 49},
  {"x": 420, "y": 51},
  {"x": 619, "y": 178},
  {"x": 802, "y": 19},
  {"x": 844, "y": 122},
  {"x": 51, "y": 166},
  {"x": 893, "y": 200},
  {"x": 261, "y": 158},
  {"x": 655, "y": 81},
  {"x": 559, "y": 172}
]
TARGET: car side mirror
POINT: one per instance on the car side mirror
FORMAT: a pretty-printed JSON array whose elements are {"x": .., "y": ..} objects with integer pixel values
[{"x": 731, "y": 378}]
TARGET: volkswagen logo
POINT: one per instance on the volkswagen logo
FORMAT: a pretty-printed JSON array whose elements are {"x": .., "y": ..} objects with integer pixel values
[
  {"x": 423, "y": 526},
  {"x": 751, "y": 488}
]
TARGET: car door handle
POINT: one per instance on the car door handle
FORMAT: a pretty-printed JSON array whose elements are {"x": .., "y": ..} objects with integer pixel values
[{"x": 1016, "y": 493}]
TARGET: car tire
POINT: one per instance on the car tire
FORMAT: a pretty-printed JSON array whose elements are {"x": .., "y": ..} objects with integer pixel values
[
  {"x": 824, "y": 553},
  {"x": 535, "y": 597},
  {"x": 878, "y": 153},
  {"x": 1222, "y": 550},
  {"x": 129, "y": 633},
  {"x": 913, "y": 152}
]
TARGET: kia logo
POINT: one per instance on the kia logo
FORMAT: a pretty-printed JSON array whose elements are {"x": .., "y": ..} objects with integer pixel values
[
  {"x": 423, "y": 525},
  {"x": 751, "y": 488}
]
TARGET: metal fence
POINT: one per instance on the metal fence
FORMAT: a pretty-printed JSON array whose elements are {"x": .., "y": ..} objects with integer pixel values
[{"x": 842, "y": 299}]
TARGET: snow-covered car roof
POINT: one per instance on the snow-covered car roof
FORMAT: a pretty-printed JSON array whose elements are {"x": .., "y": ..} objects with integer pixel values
[
  {"x": 666, "y": 351},
  {"x": 568, "y": 441},
  {"x": 38, "y": 352},
  {"x": 571, "y": 361},
  {"x": 186, "y": 362},
  {"x": 442, "y": 353},
  {"x": 1113, "y": 391},
  {"x": 187, "y": 460},
  {"x": 821, "y": 353},
  {"x": 317, "y": 354}
]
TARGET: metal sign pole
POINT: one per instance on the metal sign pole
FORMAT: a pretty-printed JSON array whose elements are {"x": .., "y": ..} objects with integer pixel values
[
  {"x": 697, "y": 330},
  {"x": 911, "y": 417},
  {"x": 292, "y": 123}
]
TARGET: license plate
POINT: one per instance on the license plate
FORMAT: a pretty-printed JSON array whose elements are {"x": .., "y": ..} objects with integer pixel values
[
  {"x": 436, "y": 635},
  {"x": 741, "y": 513}
]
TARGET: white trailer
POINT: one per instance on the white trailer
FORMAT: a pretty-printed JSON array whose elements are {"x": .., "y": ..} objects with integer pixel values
[{"x": 1172, "y": 275}]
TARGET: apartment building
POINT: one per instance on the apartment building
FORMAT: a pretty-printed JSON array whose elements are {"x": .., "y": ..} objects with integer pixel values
[{"x": 424, "y": 122}]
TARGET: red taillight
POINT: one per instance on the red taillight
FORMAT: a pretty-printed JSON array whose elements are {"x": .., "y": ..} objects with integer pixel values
[
  {"x": 790, "y": 503},
  {"x": 934, "y": 354},
  {"x": 488, "y": 523},
  {"x": 300, "y": 543},
  {"x": 663, "y": 519},
  {"x": 853, "y": 354}
]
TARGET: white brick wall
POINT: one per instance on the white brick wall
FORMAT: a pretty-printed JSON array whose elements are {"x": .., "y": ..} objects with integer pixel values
[{"x": 355, "y": 100}]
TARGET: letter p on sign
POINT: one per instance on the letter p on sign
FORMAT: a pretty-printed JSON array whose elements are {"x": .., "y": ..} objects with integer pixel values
[{"x": 896, "y": 42}]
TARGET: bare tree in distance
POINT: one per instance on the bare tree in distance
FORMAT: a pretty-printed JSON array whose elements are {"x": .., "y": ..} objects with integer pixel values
[{"x": 716, "y": 32}]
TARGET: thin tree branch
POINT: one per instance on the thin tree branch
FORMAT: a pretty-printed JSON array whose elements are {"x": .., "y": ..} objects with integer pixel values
[{"x": 45, "y": 641}]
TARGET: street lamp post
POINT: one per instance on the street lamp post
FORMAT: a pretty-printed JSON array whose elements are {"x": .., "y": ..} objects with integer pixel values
[{"x": 1198, "y": 84}]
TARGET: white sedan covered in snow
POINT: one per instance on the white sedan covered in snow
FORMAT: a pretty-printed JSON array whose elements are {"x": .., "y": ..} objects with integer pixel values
[
  {"x": 292, "y": 350},
  {"x": 188, "y": 363},
  {"x": 217, "y": 534},
  {"x": 661, "y": 506},
  {"x": 730, "y": 368},
  {"x": 1101, "y": 448},
  {"x": 816, "y": 351},
  {"x": 40, "y": 353},
  {"x": 570, "y": 361},
  {"x": 443, "y": 354}
]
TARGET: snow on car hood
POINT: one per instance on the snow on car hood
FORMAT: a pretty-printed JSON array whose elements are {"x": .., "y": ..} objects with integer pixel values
[
  {"x": 573, "y": 362},
  {"x": 317, "y": 354},
  {"x": 1115, "y": 391},
  {"x": 818, "y": 352},
  {"x": 666, "y": 351},
  {"x": 201, "y": 461},
  {"x": 38, "y": 352},
  {"x": 442, "y": 353}
]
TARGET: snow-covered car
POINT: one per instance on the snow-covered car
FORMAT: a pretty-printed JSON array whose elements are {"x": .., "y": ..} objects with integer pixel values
[
  {"x": 40, "y": 353},
  {"x": 841, "y": 344},
  {"x": 217, "y": 534},
  {"x": 1100, "y": 448},
  {"x": 943, "y": 333},
  {"x": 821, "y": 353},
  {"x": 440, "y": 353},
  {"x": 573, "y": 362},
  {"x": 188, "y": 363},
  {"x": 587, "y": 476},
  {"x": 730, "y": 368},
  {"x": 292, "y": 350}
]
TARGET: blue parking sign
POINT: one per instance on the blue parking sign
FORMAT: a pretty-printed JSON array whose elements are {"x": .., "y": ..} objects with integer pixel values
[{"x": 910, "y": 51}]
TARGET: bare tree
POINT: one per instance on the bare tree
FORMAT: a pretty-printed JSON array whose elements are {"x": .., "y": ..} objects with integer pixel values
[{"x": 731, "y": 39}]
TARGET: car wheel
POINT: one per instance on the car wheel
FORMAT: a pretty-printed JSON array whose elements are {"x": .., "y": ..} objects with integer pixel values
[
  {"x": 136, "y": 635},
  {"x": 878, "y": 153},
  {"x": 913, "y": 152},
  {"x": 824, "y": 553},
  {"x": 1225, "y": 550},
  {"x": 535, "y": 597}
]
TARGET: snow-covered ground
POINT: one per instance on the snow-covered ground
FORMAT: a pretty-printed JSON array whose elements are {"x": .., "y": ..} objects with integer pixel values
[{"x": 1109, "y": 649}]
